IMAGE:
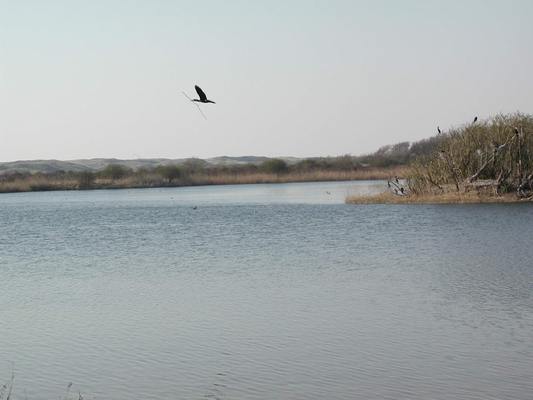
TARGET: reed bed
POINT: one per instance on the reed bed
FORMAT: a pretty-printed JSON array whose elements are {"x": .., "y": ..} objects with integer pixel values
[
  {"x": 148, "y": 179},
  {"x": 315, "y": 176},
  {"x": 38, "y": 184}
]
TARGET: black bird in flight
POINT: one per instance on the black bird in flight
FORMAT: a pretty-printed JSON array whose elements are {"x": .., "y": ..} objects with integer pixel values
[
  {"x": 202, "y": 99},
  {"x": 201, "y": 95}
]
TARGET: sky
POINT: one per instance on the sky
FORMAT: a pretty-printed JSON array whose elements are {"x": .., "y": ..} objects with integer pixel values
[{"x": 104, "y": 78}]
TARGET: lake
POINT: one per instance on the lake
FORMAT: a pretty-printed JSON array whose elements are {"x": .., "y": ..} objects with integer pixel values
[{"x": 277, "y": 291}]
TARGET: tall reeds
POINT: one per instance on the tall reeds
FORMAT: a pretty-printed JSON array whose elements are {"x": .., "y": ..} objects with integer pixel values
[{"x": 175, "y": 176}]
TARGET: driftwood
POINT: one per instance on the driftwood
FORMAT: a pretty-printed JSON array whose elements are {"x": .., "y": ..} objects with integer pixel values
[
  {"x": 523, "y": 184},
  {"x": 396, "y": 188},
  {"x": 490, "y": 160},
  {"x": 502, "y": 177},
  {"x": 525, "y": 188}
]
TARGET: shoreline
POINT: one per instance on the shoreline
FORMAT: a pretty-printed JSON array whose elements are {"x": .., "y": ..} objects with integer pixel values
[{"x": 444, "y": 198}]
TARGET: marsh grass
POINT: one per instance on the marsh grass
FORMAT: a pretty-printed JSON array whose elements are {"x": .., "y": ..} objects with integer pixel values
[
  {"x": 155, "y": 178},
  {"x": 314, "y": 176},
  {"x": 6, "y": 391},
  {"x": 40, "y": 183}
]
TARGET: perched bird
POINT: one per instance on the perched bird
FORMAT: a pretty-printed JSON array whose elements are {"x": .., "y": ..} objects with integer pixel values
[
  {"x": 516, "y": 131},
  {"x": 402, "y": 190},
  {"x": 396, "y": 179},
  {"x": 475, "y": 120},
  {"x": 388, "y": 183},
  {"x": 201, "y": 95},
  {"x": 438, "y": 129}
]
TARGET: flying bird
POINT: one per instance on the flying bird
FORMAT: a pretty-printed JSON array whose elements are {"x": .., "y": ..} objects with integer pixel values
[
  {"x": 202, "y": 99},
  {"x": 201, "y": 95}
]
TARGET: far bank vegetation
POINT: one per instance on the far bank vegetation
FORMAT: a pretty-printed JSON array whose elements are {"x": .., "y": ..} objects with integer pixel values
[
  {"x": 198, "y": 172},
  {"x": 390, "y": 160}
]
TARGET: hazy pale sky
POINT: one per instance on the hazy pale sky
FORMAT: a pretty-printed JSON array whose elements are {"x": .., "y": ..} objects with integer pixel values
[{"x": 103, "y": 78}]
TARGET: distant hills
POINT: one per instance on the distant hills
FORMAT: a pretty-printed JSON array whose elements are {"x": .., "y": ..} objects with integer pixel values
[
  {"x": 97, "y": 164},
  {"x": 386, "y": 156}
]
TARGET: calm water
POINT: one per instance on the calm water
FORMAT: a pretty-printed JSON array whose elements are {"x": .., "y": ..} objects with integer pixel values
[{"x": 264, "y": 292}]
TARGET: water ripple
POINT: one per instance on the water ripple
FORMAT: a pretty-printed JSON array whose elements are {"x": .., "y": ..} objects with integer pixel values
[{"x": 264, "y": 292}]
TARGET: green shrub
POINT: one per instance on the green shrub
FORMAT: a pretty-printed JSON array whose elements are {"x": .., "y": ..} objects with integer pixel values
[
  {"x": 274, "y": 166},
  {"x": 169, "y": 172},
  {"x": 115, "y": 171}
]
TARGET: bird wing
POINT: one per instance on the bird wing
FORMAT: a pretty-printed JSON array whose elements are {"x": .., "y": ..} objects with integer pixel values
[{"x": 201, "y": 93}]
